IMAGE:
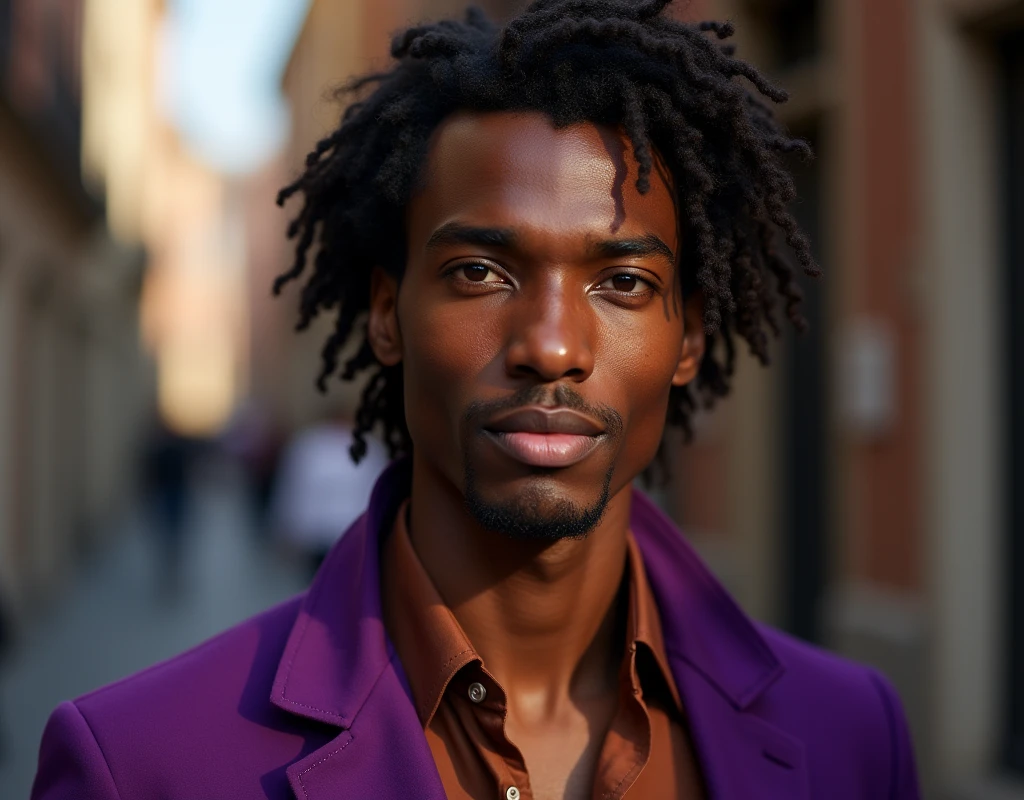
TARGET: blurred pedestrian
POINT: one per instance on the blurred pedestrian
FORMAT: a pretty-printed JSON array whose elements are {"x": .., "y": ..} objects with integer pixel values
[
  {"x": 169, "y": 457},
  {"x": 253, "y": 440},
  {"x": 320, "y": 490}
]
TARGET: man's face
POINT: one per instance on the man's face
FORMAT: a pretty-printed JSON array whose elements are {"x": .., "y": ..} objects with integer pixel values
[{"x": 539, "y": 320}]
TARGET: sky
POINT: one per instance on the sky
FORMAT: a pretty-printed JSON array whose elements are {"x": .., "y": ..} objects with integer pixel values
[{"x": 221, "y": 68}]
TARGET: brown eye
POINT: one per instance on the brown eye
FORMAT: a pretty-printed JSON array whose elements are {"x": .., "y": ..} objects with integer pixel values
[
  {"x": 625, "y": 283},
  {"x": 478, "y": 273}
]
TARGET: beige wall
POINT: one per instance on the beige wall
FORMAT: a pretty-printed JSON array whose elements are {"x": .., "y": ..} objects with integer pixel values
[{"x": 68, "y": 364}]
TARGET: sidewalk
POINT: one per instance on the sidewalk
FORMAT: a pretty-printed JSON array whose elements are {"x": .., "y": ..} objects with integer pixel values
[{"x": 112, "y": 621}]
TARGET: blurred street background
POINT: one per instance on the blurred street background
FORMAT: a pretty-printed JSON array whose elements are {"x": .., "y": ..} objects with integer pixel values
[{"x": 160, "y": 432}]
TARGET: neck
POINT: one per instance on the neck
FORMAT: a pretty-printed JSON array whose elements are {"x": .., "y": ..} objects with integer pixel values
[{"x": 541, "y": 615}]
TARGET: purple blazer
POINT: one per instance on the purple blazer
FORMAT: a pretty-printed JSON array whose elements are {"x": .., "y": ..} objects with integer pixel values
[{"x": 308, "y": 700}]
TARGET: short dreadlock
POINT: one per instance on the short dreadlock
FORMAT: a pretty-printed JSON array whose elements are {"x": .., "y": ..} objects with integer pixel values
[{"x": 623, "y": 63}]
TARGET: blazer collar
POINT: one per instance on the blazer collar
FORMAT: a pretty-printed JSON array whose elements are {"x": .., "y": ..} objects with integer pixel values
[
  {"x": 702, "y": 624},
  {"x": 722, "y": 665}
]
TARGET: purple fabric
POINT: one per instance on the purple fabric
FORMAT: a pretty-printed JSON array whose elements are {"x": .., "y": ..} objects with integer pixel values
[{"x": 308, "y": 699}]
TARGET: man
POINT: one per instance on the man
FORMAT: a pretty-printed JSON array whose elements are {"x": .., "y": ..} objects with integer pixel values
[{"x": 556, "y": 231}]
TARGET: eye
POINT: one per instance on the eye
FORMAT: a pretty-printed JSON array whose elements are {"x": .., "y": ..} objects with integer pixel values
[
  {"x": 627, "y": 284},
  {"x": 477, "y": 273}
]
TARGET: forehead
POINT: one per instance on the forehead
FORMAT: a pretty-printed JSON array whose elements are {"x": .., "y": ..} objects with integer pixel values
[{"x": 518, "y": 170}]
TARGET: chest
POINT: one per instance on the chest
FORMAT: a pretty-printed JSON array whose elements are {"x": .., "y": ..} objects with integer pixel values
[
  {"x": 562, "y": 756},
  {"x": 606, "y": 750}
]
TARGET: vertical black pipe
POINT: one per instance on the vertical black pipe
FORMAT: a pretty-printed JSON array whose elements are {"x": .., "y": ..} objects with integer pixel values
[
  {"x": 804, "y": 444},
  {"x": 1013, "y": 147}
]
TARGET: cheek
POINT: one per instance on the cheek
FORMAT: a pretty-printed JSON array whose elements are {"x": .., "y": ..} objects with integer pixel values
[
  {"x": 645, "y": 362},
  {"x": 445, "y": 352}
]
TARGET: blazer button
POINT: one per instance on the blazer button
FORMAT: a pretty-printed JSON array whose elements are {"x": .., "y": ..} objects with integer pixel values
[{"x": 477, "y": 693}]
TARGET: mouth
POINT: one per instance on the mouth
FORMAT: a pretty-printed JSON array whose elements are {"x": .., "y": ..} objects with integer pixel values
[{"x": 545, "y": 437}]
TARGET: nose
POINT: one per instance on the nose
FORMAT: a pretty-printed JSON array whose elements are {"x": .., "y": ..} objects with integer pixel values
[{"x": 550, "y": 338}]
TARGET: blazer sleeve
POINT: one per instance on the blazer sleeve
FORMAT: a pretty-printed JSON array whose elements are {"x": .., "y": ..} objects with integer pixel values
[
  {"x": 903, "y": 779},
  {"x": 71, "y": 764}
]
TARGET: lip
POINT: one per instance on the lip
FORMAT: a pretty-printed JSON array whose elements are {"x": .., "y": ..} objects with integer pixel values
[
  {"x": 546, "y": 438},
  {"x": 538, "y": 419}
]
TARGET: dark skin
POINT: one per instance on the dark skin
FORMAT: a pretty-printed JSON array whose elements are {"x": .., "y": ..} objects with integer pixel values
[{"x": 534, "y": 263}]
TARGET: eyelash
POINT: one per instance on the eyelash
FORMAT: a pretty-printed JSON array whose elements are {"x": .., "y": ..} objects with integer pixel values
[
  {"x": 453, "y": 274},
  {"x": 650, "y": 286}
]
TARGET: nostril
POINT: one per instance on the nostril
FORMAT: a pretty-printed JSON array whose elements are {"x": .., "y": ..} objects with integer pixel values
[{"x": 525, "y": 371}]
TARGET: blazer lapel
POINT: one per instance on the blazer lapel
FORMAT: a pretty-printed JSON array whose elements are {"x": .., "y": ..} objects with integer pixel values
[
  {"x": 339, "y": 669},
  {"x": 383, "y": 754},
  {"x": 741, "y": 755},
  {"x": 722, "y": 666}
]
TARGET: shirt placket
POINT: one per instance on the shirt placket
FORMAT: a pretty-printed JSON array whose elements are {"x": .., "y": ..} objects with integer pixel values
[
  {"x": 480, "y": 697},
  {"x": 627, "y": 745}
]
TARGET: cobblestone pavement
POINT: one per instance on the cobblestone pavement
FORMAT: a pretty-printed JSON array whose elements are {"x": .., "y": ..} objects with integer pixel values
[{"x": 112, "y": 620}]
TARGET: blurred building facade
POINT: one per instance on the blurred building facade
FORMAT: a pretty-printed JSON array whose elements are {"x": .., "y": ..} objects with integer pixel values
[
  {"x": 72, "y": 375},
  {"x": 867, "y": 491},
  {"x": 873, "y": 476},
  {"x": 163, "y": 198},
  {"x": 122, "y": 277}
]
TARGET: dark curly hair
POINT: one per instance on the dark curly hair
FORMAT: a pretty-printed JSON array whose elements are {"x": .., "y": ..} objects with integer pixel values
[{"x": 670, "y": 86}]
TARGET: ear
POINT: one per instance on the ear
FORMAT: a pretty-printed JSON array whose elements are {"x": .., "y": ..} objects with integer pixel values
[
  {"x": 382, "y": 329},
  {"x": 694, "y": 340}
]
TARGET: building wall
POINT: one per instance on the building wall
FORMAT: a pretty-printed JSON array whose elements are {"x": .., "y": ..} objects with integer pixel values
[
  {"x": 906, "y": 96},
  {"x": 72, "y": 380}
]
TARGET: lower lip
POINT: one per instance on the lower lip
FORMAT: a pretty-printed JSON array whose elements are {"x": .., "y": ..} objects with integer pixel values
[{"x": 546, "y": 449}]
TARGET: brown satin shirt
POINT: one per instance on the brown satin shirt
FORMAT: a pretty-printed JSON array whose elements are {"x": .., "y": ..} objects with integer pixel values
[{"x": 647, "y": 753}]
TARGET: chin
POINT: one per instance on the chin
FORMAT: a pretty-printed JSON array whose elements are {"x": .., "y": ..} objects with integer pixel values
[{"x": 535, "y": 508}]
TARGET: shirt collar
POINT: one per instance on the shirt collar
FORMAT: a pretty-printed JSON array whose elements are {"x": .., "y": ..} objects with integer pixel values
[
  {"x": 644, "y": 619},
  {"x": 433, "y": 646},
  {"x": 427, "y": 637}
]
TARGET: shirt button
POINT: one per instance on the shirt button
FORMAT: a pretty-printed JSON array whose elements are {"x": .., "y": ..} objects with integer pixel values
[
  {"x": 511, "y": 793},
  {"x": 477, "y": 693}
]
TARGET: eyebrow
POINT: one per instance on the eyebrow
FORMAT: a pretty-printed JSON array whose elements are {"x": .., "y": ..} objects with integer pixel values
[
  {"x": 635, "y": 247},
  {"x": 638, "y": 247},
  {"x": 457, "y": 233}
]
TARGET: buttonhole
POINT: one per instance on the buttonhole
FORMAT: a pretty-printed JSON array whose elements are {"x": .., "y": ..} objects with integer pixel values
[{"x": 776, "y": 760}]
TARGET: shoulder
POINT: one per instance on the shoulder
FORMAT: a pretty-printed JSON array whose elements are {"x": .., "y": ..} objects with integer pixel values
[
  {"x": 843, "y": 711},
  {"x": 200, "y": 708},
  {"x": 812, "y": 669}
]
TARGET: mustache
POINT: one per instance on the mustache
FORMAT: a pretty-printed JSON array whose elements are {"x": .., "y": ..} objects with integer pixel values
[{"x": 560, "y": 397}]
